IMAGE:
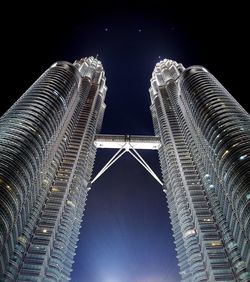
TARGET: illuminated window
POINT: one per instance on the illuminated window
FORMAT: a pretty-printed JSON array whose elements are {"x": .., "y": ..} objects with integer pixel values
[
  {"x": 70, "y": 203},
  {"x": 22, "y": 239},
  {"x": 9, "y": 188},
  {"x": 54, "y": 189},
  {"x": 226, "y": 152},
  {"x": 189, "y": 232},
  {"x": 243, "y": 157},
  {"x": 215, "y": 243}
]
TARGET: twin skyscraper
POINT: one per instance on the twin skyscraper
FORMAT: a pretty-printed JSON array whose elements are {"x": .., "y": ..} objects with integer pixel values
[{"x": 47, "y": 152}]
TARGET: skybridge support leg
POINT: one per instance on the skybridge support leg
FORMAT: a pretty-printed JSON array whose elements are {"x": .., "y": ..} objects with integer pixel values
[{"x": 127, "y": 143}]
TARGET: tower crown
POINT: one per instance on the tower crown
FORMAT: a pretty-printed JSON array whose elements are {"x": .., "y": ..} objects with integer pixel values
[
  {"x": 86, "y": 66},
  {"x": 164, "y": 71}
]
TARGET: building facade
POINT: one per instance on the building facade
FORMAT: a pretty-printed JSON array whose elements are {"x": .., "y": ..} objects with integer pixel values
[
  {"x": 48, "y": 143},
  {"x": 46, "y": 160},
  {"x": 205, "y": 162}
]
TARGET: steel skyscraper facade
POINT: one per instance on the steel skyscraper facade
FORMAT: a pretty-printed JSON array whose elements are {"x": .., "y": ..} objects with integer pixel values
[
  {"x": 48, "y": 141},
  {"x": 46, "y": 159},
  {"x": 205, "y": 161}
]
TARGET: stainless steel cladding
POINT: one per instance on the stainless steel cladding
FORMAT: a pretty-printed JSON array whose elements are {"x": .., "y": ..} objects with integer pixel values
[
  {"x": 47, "y": 154},
  {"x": 205, "y": 160}
]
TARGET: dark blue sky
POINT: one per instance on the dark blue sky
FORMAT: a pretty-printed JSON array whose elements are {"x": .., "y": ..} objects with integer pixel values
[{"x": 126, "y": 234}]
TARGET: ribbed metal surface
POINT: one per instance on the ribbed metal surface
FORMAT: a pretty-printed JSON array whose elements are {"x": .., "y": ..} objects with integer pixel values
[
  {"x": 25, "y": 134},
  {"x": 205, "y": 144},
  {"x": 46, "y": 169},
  {"x": 225, "y": 126}
]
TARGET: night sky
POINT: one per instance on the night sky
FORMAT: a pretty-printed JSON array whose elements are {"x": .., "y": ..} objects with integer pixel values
[{"x": 126, "y": 233}]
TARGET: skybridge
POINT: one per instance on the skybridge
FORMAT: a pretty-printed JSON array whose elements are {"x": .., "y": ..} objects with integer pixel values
[{"x": 127, "y": 144}]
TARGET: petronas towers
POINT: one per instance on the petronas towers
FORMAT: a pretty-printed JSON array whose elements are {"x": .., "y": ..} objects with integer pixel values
[{"x": 48, "y": 142}]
